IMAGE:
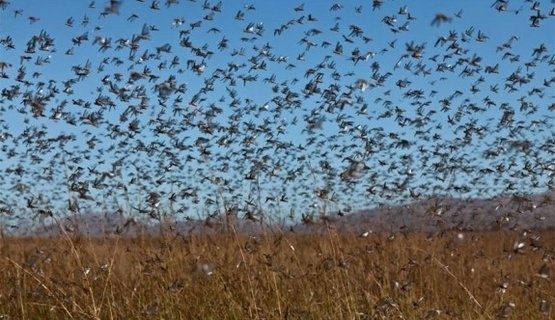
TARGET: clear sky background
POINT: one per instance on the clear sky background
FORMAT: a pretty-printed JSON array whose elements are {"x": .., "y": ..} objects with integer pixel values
[{"x": 286, "y": 107}]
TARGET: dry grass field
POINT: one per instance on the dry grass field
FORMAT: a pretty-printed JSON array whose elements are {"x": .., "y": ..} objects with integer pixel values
[{"x": 329, "y": 275}]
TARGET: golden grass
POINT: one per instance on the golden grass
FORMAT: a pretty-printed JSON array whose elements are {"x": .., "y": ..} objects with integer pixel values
[{"x": 279, "y": 276}]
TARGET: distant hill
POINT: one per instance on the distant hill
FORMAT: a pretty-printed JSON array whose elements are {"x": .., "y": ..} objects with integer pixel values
[
  {"x": 429, "y": 215},
  {"x": 446, "y": 213}
]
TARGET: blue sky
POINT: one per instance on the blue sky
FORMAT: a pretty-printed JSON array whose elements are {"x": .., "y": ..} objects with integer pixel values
[{"x": 283, "y": 148}]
